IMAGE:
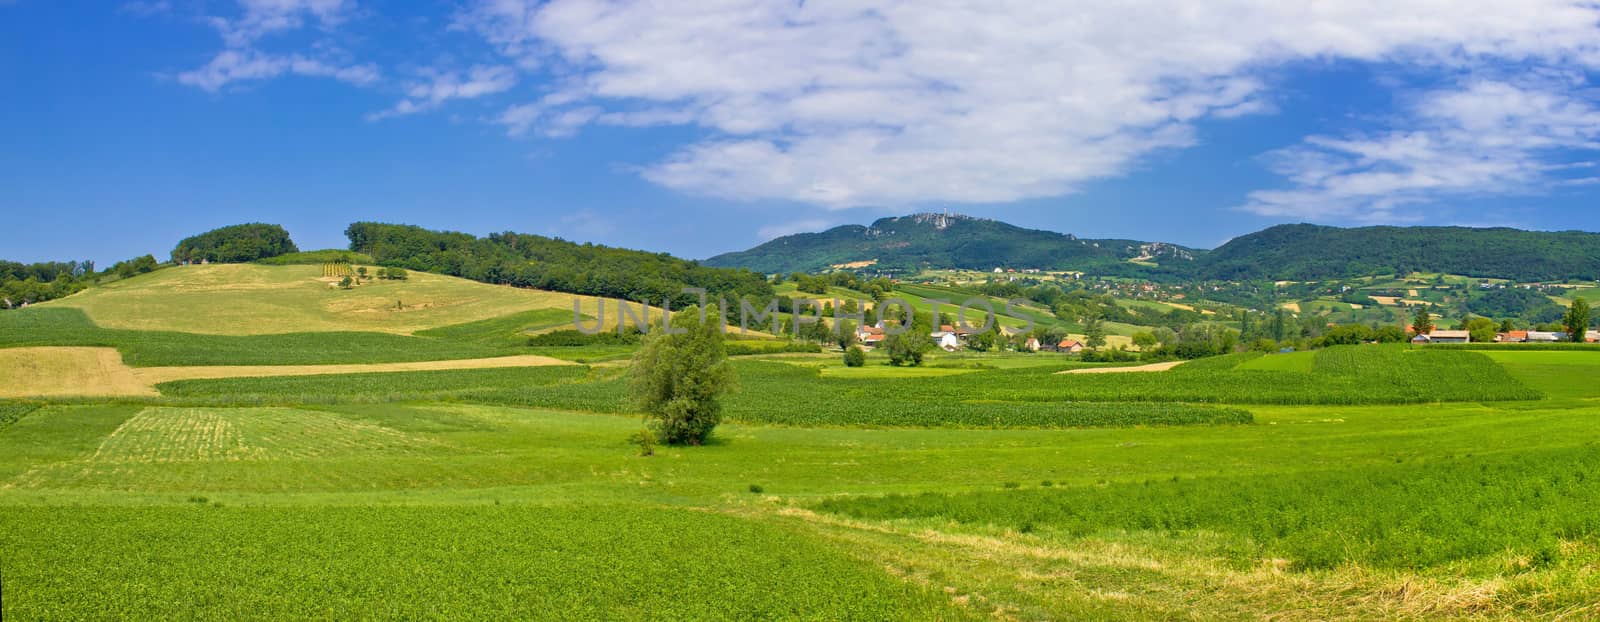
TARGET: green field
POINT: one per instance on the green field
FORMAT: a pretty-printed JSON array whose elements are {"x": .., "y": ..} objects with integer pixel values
[{"x": 1350, "y": 483}]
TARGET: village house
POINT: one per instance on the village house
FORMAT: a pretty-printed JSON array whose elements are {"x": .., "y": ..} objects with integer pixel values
[
  {"x": 947, "y": 338},
  {"x": 1069, "y": 346},
  {"x": 1515, "y": 336},
  {"x": 1031, "y": 345},
  {"x": 870, "y": 336}
]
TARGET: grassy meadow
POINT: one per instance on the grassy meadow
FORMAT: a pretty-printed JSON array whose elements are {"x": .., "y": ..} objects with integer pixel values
[
  {"x": 249, "y": 299},
  {"x": 1351, "y": 483}
]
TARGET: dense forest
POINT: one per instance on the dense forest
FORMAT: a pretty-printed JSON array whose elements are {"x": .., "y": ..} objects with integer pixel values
[
  {"x": 1309, "y": 252},
  {"x": 235, "y": 244},
  {"x": 907, "y": 244},
  {"x": 554, "y": 264}
]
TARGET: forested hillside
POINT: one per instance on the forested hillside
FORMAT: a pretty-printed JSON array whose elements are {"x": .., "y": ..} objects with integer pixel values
[
  {"x": 911, "y": 243},
  {"x": 1306, "y": 252},
  {"x": 1285, "y": 252},
  {"x": 540, "y": 262}
]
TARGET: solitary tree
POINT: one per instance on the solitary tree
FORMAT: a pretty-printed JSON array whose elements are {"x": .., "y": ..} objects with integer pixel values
[
  {"x": 1094, "y": 333},
  {"x": 1577, "y": 320},
  {"x": 1422, "y": 320},
  {"x": 678, "y": 378}
]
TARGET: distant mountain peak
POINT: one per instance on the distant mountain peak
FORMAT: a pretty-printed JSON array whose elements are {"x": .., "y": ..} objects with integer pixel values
[{"x": 944, "y": 240}]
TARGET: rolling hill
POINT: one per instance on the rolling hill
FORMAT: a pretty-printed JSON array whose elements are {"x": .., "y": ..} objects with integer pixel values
[
  {"x": 919, "y": 241},
  {"x": 1283, "y": 252},
  {"x": 248, "y": 299},
  {"x": 1312, "y": 252}
]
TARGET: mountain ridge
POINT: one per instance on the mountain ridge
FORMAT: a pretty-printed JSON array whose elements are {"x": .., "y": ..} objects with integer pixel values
[
  {"x": 942, "y": 240},
  {"x": 902, "y": 244}
]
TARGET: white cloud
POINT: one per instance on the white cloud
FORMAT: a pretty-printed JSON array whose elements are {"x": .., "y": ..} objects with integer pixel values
[
  {"x": 258, "y": 18},
  {"x": 245, "y": 65},
  {"x": 242, "y": 58},
  {"x": 1484, "y": 138},
  {"x": 887, "y": 103},
  {"x": 437, "y": 87}
]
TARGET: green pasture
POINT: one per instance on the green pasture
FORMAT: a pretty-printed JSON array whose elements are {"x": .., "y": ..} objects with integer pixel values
[{"x": 1355, "y": 483}]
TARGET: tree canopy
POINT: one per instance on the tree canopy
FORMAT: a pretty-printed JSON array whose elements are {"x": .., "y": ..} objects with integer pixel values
[
  {"x": 235, "y": 244},
  {"x": 540, "y": 262},
  {"x": 678, "y": 378}
]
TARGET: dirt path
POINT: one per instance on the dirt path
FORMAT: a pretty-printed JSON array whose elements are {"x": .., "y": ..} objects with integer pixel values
[
  {"x": 1124, "y": 370},
  {"x": 64, "y": 371}
]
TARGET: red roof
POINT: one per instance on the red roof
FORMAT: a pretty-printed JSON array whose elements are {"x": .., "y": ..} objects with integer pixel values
[{"x": 1070, "y": 343}]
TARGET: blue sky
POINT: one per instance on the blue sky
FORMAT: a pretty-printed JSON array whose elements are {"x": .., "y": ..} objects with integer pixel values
[{"x": 699, "y": 128}]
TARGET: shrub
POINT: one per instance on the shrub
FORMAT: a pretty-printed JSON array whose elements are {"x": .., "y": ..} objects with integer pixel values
[
  {"x": 855, "y": 357},
  {"x": 646, "y": 441}
]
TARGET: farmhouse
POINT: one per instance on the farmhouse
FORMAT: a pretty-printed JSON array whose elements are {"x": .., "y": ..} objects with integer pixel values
[
  {"x": 1539, "y": 336},
  {"x": 1031, "y": 345},
  {"x": 1069, "y": 346},
  {"x": 1449, "y": 336},
  {"x": 947, "y": 338},
  {"x": 1515, "y": 336},
  {"x": 870, "y": 336}
]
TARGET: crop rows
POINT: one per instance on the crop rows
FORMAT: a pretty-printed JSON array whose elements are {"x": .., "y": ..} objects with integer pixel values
[
  {"x": 773, "y": 392},
  {"x": 1397, "y": 516},
  {"x": 769, "y": 393},
  {"x": 466, "y": 562}
]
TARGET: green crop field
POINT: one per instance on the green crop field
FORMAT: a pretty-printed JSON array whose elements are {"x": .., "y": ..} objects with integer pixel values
[{"x": 1347, "y": 483}]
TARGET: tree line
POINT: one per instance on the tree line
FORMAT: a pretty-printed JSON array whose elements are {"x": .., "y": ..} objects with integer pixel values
[{"x": 554, "y": 264}]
